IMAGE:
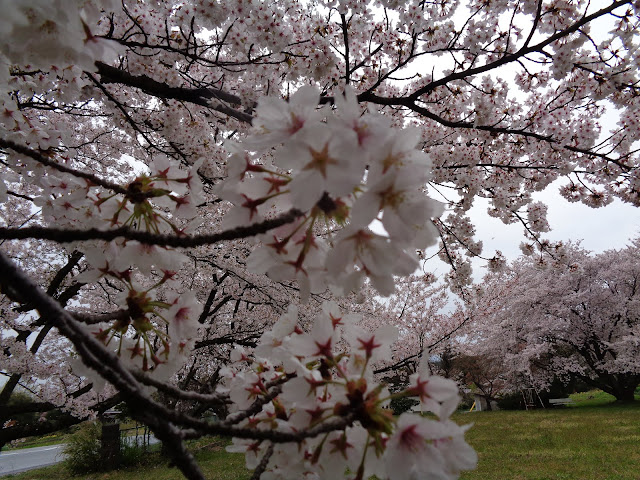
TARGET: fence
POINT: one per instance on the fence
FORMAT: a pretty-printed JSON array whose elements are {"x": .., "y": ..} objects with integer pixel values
[{"x": 138, "y": 436}]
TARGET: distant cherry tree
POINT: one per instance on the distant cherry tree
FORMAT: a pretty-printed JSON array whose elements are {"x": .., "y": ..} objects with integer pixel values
[{"x": 576, "y": 320}]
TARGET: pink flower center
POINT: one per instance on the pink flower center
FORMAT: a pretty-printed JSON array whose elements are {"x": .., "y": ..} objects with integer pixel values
[
  {"x": 296, "y": 124},
  {"x": 411, "y": 440}
]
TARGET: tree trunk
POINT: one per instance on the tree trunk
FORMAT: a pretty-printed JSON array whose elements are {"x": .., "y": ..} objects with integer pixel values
[{"x": 624, "y": 394}]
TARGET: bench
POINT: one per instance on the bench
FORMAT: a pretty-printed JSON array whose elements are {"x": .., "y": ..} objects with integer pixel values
[{"x": 561, "y": 401}]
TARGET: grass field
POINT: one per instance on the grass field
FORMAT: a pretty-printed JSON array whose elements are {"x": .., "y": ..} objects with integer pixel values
[
  {"x": 593, "y": 440},
  {"x": 574, "y": 443},
  {"x": 52, "y": 439}
]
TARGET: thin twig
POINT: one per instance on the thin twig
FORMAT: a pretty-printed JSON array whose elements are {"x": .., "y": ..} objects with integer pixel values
[
  {"x": 40, "y": 158},
  {"x": 206, "y": 399},
  {"x": 262, "y": 466}
]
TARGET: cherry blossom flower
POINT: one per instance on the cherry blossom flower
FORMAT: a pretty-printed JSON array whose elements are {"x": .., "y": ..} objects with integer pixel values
[
  {"x": 320, "y": 342},
  {"x": 329, "y": 380},
  {"x": 410, "y": 453},
  {"x": 375, "y": 345},
  {"x": 378, "y": 257},
  {"x": 145, "y": 257},
  {"x": 277, "y": 121},
  {"x": 273, "y": 339},
  {"x": 371, "y": 131},
  {"x": 424, "y": 448},
  {"x": 406, "y": 211},
  {"x": 341, "y": 169},
  {"x": 436, "y": 394},
  {"x": 183, "y": 316},
  {"x": 324, "y": 162}
]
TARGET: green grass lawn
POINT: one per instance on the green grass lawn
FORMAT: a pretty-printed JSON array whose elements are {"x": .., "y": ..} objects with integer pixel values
[
  {"x": 595, "y": 398},
  {"x": 599, "y": 443},
  {"x": 46, "y": 440},
  {"x": 593, "y": 440}
]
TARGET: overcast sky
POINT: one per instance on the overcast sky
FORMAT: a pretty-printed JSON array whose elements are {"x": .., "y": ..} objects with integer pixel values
[{"x": 599, "y": 229}]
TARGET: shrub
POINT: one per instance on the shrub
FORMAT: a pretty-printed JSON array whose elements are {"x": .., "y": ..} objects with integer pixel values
[
  {"x": 466, "y": 400},
  {"x": 402, "y": 404},
  {"x": 132, "y": 454},
  {"x": 83, "y": 449},
  {"x": 84, "y": 453}
]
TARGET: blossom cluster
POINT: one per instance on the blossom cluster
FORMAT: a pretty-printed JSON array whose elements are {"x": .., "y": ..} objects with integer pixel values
[
  {"x": 358, "y": 182},
  {"x": 326, "y": 376},
  {"x": 157, "y": 320},
  {"x": 54, "y": 33},
  {"x": 158, "y": 323},
  {"x": 163, "y": 329}
]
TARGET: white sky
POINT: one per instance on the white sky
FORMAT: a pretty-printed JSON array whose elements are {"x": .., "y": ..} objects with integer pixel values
[
  {"x": 599, "y": 229},
  {"x": 604, "y": 228}
]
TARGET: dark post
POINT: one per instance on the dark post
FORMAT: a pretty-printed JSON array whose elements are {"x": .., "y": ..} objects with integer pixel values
[{"x": 110, "y": 444}]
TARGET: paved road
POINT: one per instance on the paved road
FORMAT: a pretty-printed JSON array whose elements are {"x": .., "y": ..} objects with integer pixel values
[{"x": 27, "y": 458}]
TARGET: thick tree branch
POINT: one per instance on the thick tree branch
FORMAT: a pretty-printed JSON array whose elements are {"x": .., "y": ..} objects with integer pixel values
[
  {"x": 66, "y": 236},
  {"x": 508, "y": 58},
  {"x": 228, "y": 340},
  {"x": 92, "y": 319},
  {"x": 212, "y": 399},
  {"x": 206, "y": 97}
]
